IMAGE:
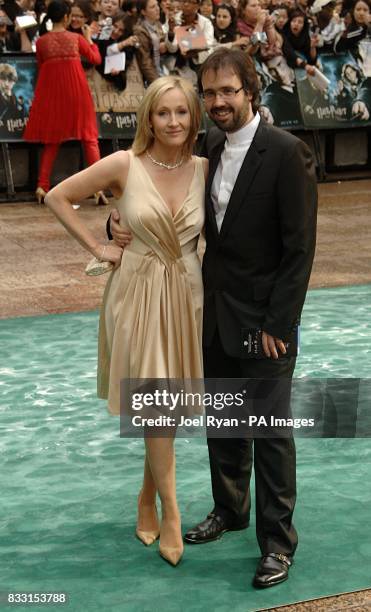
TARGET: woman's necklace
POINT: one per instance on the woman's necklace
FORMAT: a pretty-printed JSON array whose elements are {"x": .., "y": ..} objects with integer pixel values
[{"x": 163, "y": 165}]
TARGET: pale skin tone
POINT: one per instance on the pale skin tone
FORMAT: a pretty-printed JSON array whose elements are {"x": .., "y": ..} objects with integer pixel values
[
  {"x": 296, "y": 27},
  {"x": 77, "y": 18},
  {"x": 170, "y": 122},
  {"x": 223, "y": 20},
  {"x": 108, "y": 8},
  {"x": 361, "y": 13}
]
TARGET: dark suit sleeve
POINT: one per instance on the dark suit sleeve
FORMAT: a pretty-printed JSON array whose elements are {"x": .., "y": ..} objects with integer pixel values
[
  {"x": 203, "y": 148},
  {"x": 297, "y": 204}
]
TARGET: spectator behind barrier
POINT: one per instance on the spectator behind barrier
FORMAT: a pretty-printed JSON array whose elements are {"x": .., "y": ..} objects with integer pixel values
[
  {"x": 299, "y": 47},
  {"x": 166, "y": 8},
  {"x": 207, "y": 10},
  {"x": 357, "y": 28},
  {"x": 107, "y": 10},
  {"x": 280, "y": 17},
  {"x": 304, "y": 7},
  {"x": 81, "y": 14},
  {"x": 225, "y": 25},
  {"x": 328, "y": 25},
  {"x": 130, "y": 8},
  {"x": 152, "y": 40},
  {"x": 225, "y": 28},
  {"x": 256, "y": 24},
  {"x": 12, "y": 41},
  {"x": 121, "y": 40},
  {"x": 187, "y": 63},
  {"x": 20, "y": 8},
  {"x": 290, "y": 4}
]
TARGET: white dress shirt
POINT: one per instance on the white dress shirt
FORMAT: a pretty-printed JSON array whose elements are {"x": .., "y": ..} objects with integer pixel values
[{"x": 236, "y": 147}]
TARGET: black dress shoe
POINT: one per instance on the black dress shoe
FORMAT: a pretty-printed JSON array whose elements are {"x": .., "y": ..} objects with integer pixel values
[
  {"x": 212, "y": 528},
  {"x": 272, "y": 569}
]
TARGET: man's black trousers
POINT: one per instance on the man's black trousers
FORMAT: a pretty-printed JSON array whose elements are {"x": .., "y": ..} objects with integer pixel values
[{"x": 274, "y": 459}]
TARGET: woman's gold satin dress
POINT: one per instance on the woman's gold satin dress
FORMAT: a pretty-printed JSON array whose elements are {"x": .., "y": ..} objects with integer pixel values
[{"x": 151, "y": 317}]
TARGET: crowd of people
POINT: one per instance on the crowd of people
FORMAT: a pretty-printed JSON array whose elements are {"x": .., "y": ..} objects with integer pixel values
[
  {"x": 175, "y": 36},
  {"x": 170, "y": 38}
]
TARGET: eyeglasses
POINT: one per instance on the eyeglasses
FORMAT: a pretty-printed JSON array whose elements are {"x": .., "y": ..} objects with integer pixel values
[{"x": 225, "y": 93}]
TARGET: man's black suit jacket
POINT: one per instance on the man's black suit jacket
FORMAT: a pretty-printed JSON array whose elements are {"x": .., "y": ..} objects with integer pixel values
[{"x": 256, "y": 270}]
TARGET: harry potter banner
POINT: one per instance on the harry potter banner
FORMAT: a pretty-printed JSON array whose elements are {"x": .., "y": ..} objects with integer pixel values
[
  {"x": 338, "y": 96},
  {"x": 344, "y": 102},
  {"x": 17, "y": 84}
]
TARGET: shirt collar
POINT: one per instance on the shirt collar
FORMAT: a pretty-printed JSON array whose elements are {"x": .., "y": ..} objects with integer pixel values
[{"x": 244, "y": 134}]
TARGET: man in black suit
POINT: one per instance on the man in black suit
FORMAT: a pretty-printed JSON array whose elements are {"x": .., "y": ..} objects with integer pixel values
[{"x": 261, "y": 201}]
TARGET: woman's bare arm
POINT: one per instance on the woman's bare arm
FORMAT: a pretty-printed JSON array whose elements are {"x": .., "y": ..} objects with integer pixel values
[{"x": 108, "y": 173}]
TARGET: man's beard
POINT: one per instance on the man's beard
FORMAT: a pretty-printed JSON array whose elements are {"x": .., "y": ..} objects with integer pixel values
[{"x": 235, "y": 120}]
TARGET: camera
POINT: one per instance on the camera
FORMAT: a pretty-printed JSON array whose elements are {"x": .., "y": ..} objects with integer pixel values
[{"x": 259, "y": 38}]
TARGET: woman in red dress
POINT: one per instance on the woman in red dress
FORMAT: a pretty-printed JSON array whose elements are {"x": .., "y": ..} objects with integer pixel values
[{"x": 62, "y": 108}]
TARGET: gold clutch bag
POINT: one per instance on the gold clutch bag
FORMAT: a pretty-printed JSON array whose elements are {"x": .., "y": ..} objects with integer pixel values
[{"x": 96, "y": 267}]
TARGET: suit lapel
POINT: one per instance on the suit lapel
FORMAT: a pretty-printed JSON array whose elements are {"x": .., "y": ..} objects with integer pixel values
[{"x": 249, "y": 168}]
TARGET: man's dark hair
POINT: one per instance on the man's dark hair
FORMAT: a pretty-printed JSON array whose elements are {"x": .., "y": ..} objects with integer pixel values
[{"x": 241, "y": 64}]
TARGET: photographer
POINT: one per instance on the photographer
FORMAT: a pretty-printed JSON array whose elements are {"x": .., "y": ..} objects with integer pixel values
[{"x": 256, "y": 24}]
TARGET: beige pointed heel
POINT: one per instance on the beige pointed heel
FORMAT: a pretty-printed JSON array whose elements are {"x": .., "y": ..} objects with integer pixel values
[
  {"x": 100, "y": 199},
  {"x": 147, "y": 537},
  {"x": 171, "y": 554},
  {"x": 171, "y": 533},
  {"x": 40, "y": 195}
]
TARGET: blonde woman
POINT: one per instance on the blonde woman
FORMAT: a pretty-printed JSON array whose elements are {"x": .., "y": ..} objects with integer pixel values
[{"x": 152, "y": 310}]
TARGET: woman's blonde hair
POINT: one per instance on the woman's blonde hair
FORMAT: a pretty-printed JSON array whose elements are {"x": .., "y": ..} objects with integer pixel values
[{"x": 144, "y": 136}]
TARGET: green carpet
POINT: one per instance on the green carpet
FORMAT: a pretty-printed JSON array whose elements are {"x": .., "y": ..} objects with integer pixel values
[{"x": 69, "y": 483}]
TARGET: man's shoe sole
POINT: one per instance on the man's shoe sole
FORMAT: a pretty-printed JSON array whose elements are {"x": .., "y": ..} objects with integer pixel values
[{"x": 215, "y": 538}]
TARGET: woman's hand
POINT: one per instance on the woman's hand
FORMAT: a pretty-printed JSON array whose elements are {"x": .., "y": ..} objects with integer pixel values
[
  {"x": 243, "y": 41},
  {"x": 131, "y": 41},
  {"x": 310, "y": 70},
  {"x": 86, "y": 31},
  {"x": 108, "y": 252},
  {"x": 95, "y": 29}
]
